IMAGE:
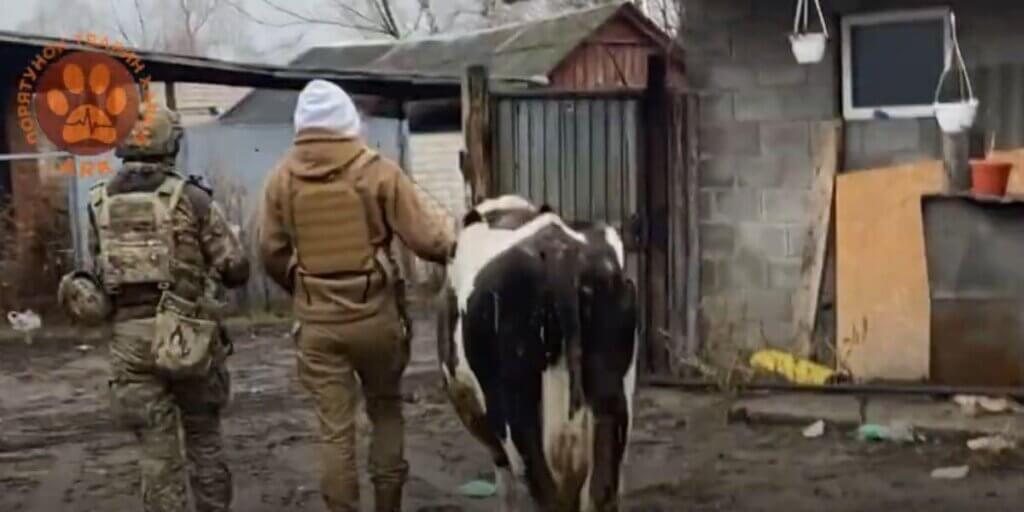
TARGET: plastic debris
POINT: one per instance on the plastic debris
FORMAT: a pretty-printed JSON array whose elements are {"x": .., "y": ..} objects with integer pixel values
[
  {"x": 84, "y": 348},
  {"x": 896, "y": 432},
  {"x": 793, "y": 369},
  {"x": 974, "y": 405},
  {"x": 24, "y": 322},
  {"x": 815, "y": 430},
  {"x": 992, "y": 444},
  {"x": 478, "y": 489},
  {"x": 951, "y": 473}
]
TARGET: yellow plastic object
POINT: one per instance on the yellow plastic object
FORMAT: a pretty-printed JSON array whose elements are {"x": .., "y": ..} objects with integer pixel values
[{"x": 798, "y": 371}]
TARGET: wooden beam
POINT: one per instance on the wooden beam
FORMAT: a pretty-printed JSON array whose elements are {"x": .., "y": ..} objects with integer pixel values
[
  {"x": 171, "y": 96},
  {"x": 476, "y": 127},
  {"x": 955, "y": 149},
  {"x": 693, "y": 341},
  {"x": 827, "y": 144},
  {"x": 656, "y": 222}
]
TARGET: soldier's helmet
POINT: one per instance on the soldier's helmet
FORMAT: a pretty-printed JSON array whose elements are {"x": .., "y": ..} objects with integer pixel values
[
  {"x": 83, "y": 298},
  {"x": 157, "y": 134}
]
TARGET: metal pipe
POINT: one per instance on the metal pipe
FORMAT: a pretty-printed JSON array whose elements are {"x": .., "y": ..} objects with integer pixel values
[{"x": 839, "y": 389}]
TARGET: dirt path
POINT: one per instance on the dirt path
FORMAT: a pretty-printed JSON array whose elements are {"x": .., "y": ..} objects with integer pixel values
[{"x": 58, "y": 450}]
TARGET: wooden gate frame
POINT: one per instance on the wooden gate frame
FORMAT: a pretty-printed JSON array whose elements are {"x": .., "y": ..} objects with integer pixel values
[{"x": 664, "y": 348}]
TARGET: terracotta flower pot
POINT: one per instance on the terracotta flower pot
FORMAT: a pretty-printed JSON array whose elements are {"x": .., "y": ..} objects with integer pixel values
[{"x": 989, "y": 177}]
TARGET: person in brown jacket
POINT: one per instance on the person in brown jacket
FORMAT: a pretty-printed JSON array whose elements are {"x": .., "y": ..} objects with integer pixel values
[{"x": 332, "y": 208}]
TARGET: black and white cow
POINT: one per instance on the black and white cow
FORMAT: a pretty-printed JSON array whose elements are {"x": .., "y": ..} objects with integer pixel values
[{"x": 537, "y": 344}]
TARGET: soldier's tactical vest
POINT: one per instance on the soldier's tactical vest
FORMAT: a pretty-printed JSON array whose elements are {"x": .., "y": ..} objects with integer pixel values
[
  {"x": 137, "y": 239},
  {"x": 328, "y": 222}
]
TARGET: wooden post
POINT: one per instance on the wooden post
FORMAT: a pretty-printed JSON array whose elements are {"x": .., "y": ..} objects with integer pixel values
[
  {"x": 172, "y": 98},
  {"x": 656, "y": 182},
  {"x": 476, "y": 128},
  {"x": 955, "y": 150},
  {"x": 693, "y": 342}
]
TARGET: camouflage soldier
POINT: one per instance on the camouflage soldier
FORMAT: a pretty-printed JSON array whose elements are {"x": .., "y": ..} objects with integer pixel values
[
  {"x": 163, "y": 252},
  {"x": 331, "y": 210}
]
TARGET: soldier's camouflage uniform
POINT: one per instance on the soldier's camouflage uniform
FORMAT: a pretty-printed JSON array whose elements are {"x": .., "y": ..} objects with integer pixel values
[{"x": 144, "y": 400}]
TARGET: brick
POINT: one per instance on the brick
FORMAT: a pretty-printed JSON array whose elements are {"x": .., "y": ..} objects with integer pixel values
[
  {"x": 730, "y": 76},
  {"x": 737, "y": 205},
  {"x": 716, "y": 240},
  {"x": 786, "y": 137},
  {"x": 746, "y": 271},
  {"x": 797, "y": 238},
  {"x": 765, "y": 240},
  {"x": 892, "y": 136},
  {"x": 780, "y": 74},
  {"x": 716, "y": 108},
  {"x": 786, "y": 205},
  {"x": 717, "y": 172},
  {"x": 730, "y": 139},
  {"x": 784, "y": 274},
  {"x": 786, "y": 171}
]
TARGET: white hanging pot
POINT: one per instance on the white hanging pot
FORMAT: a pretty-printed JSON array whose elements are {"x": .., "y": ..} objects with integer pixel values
[
  {"x": 956, "y": 116},
  {"x": 808, "y": 47}
]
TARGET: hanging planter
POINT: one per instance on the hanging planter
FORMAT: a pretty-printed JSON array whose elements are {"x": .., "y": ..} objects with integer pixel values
[
  {"x": 956, "y": 116},
  {"x": 808, "y": 47}
]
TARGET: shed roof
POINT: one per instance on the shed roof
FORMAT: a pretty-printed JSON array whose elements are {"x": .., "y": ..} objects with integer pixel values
[
  {"x": 523, "y": 52},
  {"x": 19, "y": 50}
]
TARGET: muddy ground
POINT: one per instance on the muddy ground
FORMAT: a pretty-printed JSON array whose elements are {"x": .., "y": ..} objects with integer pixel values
[{"x": 59, "y": 451}]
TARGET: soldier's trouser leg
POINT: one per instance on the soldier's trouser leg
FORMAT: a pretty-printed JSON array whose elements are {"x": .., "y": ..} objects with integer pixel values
[
  {"x": 329, "y": 357},
  {"x": 143, "y": 403},
  {"x": 201, "y": 403}
]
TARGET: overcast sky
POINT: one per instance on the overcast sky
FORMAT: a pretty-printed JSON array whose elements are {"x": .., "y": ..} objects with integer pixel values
[{"x": 237, "y": 37}]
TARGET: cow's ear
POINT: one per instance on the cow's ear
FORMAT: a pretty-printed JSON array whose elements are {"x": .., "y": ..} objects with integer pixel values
[
  {"x": 546, "y": 208},
  {"x": 471, "y": 218}
]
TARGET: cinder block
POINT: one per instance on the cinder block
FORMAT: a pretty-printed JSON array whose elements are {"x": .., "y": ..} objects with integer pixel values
[
  {"x": 784, "y": 274},
  {"x": 785, "y": 138},
  {"x": 769, "y": 304},
  {"x": 716, "y": 108},
  {"x": 730, "y": 139},
  {"x": 717, "y": 172},
  {"x": 760, "y": 105},
  {"x": 716, "y": 240},
  {"x": 762, "y": 41},
  {"x": 782, "y": 75},
  {"x": 768, "y": 241},
  {"x": 786, "y": 205},
  {"x": 706, "y": 205},
  {"x": 797, "y": 237},
  {"x": 748, "y": 270},
  {"x": 782, "y": 171},
  {"x": 730, "y": 76},
  {"x": 780, "y": 334},
  {"x": 708, "y": 283},
  {"x": 737, "y": 205},
  {"x": 892, "y": 136},
  {"x": 810, "y": 103},
  {"x": 728, "y": 10}
]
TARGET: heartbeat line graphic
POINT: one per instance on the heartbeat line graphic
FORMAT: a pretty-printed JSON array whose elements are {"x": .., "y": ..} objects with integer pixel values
[{"x": 87, "y": 119}]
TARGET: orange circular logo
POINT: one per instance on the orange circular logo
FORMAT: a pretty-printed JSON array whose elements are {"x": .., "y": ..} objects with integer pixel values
[{"x": 87, "y": 103}]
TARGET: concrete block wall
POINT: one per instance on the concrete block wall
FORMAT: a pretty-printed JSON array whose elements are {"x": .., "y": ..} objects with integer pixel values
[{"x": 758, "y": 107}]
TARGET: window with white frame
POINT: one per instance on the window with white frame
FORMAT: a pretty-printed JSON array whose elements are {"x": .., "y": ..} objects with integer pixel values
[{"x": 892, "y": 62}]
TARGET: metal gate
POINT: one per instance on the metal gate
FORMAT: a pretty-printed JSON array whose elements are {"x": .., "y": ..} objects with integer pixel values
[{"x": 582, "y": 154}]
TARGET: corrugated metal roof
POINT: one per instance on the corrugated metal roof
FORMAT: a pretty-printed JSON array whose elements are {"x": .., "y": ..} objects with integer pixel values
[{"x": 20, "y": 49}]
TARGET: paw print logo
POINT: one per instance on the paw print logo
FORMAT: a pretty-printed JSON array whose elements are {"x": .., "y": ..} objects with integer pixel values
[{"x": 87, "y": 103}]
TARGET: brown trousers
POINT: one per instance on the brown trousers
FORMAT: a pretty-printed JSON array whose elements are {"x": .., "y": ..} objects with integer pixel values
[{"x": 330, "y": 357}]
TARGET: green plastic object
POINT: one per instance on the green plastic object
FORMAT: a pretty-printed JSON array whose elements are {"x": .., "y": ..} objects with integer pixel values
[
  {"x": 478, "y": 489},
  {"x": 872, "y": 433}
]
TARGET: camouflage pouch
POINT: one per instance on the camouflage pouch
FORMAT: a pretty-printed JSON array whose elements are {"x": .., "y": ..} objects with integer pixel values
[{"x": 185, "y": 345}]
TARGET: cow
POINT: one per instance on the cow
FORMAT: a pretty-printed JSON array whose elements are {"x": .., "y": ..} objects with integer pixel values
[{"x": 537, "y": 346}]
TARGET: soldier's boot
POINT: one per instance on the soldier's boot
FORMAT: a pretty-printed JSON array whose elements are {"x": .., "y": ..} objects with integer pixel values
[{"x": 388, "y": 468}]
